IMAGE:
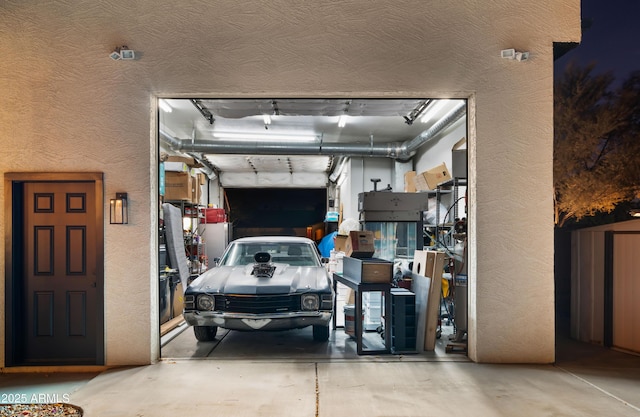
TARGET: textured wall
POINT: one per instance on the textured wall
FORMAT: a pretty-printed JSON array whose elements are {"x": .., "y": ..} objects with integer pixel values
[{"x": 65, "y": 106}]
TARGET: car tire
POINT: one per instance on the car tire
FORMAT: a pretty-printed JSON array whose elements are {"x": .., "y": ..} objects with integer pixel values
[
  {"x": 205, "y": 333},
  {"x": 321, "y": 333}
]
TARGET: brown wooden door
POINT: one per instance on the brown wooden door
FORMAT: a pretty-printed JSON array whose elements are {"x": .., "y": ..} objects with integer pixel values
[{"x": 60, "y": 273}]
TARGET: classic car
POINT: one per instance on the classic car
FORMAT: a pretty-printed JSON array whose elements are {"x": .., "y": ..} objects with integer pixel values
[{"x": 262, "y": 283}]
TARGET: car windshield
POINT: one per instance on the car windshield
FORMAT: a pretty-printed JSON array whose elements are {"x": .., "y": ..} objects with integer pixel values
[{"x": 298, "y": 254}]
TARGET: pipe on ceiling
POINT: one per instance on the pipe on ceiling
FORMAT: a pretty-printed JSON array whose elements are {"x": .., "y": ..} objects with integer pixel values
[{"x": 401, "y": 151}]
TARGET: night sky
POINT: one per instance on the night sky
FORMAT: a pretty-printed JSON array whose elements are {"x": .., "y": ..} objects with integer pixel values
[{"x": 612, "y": 42}]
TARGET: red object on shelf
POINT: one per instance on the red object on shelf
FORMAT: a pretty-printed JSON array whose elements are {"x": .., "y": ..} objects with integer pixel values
[{"x": 214, "y": 215}]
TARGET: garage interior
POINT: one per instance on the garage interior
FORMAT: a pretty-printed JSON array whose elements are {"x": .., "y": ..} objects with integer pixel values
[{"x": 306, "y": 167}]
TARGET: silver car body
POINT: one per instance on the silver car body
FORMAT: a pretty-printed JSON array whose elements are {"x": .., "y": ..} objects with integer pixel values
[{"x": 289, "y": 288}]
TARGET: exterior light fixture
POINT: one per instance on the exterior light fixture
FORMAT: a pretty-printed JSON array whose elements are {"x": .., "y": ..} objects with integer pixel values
[
  {"x": 122, "y": 53},
  {"x": 515, "y": 55},
  {"x": 119, "y": 211}
]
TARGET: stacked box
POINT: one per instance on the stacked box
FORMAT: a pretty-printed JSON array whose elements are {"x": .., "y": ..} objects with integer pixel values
[
  {"x": 429, "y": 179},
  {"x": 177, "y": 186},
  {"x": 369, "y": 270},
  {"x": 358, "y": 244},
  {"x": 459, "y": 159}
]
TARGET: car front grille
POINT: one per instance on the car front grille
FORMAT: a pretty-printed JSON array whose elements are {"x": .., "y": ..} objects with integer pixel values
[{"x": 257, "y": 304}]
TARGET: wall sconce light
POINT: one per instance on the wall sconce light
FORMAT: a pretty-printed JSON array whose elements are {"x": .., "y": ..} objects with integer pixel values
[{"x": 119, "y": 213}]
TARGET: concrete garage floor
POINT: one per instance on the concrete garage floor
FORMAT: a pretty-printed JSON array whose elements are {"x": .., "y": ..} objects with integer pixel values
[
  {"x": 289, "y": 375},
  {"x": 291, "y": 345}
]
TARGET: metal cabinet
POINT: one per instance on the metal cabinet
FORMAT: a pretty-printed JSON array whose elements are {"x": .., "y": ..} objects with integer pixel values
[{"x": 396, "y": 219}]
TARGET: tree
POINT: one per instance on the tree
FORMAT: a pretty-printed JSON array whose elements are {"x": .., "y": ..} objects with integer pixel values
[{"x": 596, "y": 161}]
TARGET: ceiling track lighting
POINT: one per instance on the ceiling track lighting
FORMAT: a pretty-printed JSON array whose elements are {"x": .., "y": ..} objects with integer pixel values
[
  {"x": 122, "y": 53},
  {"x": 203, "y": 111},
  {"x": 415, "y": 113},
  {"x": 267, "y": 121},
  {"x": 514, "y": 55}
]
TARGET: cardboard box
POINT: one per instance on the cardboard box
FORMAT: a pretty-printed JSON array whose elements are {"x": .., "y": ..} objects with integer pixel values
[
  {"x": 459, "y": 159},
  {"x": 429, "y": 179},
  {"x": 370, "y": 270},
  {"x": 182, "y": 159},
  {"x": 176, "y": 167},
  {"x": 423, "y": 262},
  {"x": 359, "y": 244},
  {"x": 342, "y": 243},
  {"x": 410, "y": 182},
  {"x": 196, "y": 190},
  {"x": 177, "y": 186}
]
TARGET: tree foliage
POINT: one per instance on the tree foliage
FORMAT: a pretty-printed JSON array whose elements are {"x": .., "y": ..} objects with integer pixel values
[{"x": 596, "y": 143}]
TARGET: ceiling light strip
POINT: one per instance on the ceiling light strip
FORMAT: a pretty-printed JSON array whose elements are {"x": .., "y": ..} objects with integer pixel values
[{"x": 264, "y": 137}]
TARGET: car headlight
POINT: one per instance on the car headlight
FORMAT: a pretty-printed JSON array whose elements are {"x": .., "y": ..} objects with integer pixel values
[
  {"x": 310, "y": 302},
  {"x": 206, "y": 302}
]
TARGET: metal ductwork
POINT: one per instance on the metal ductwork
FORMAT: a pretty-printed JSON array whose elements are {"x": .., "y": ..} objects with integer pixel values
[
  {"x": 337, "y": 170},
  {"x": 207, "y": 168},
  {"x": 402, "y": 151}
]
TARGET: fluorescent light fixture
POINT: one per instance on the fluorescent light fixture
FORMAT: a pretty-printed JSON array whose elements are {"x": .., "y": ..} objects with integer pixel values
[
  {"x": 303, "y": 137},
  {"x": 166, "y": 107},
  {"x": 267, "y": 119},
  {"x": 432, "y": 110},
  {"x": 342, "y": 121}
]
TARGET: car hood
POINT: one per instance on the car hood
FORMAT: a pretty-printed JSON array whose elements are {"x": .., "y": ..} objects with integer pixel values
[{"x": 286, "y": 279}]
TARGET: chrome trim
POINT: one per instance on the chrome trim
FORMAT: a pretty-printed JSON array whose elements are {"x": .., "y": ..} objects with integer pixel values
[{"x": 275, "y": 316}]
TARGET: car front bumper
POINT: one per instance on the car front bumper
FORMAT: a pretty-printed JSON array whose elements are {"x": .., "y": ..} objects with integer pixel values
[{"x": 243, "y": 321}]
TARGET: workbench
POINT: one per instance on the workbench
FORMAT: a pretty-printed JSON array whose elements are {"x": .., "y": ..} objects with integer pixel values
[{"x": 359, "y": 288}]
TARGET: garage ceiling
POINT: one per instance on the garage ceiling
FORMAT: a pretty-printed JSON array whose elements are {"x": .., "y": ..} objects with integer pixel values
[{"x": 253, "y": 141}]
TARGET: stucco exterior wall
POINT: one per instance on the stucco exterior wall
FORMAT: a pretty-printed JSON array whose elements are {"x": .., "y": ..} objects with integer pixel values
[{"x": 65, "y": 106}]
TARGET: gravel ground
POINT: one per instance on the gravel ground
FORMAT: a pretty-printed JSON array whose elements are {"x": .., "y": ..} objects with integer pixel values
[{"x": 40, "y": 410}]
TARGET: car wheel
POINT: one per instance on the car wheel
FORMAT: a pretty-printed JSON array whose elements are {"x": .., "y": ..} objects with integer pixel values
[
  {"x": 205, "y": 333},
  {"x": 320, "y": 333}
]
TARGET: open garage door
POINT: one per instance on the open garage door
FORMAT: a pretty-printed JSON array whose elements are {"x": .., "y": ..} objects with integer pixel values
[{"x": 285, "y": 166}]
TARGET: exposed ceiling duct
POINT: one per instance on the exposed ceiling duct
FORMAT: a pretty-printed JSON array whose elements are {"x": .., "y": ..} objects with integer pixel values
[{"x": 401, "y": 151}]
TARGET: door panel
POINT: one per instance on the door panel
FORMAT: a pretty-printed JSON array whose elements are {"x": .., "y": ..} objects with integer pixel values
[
  {"x": 60, "y": 285},
  {"x": 626, "y": 288}
]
